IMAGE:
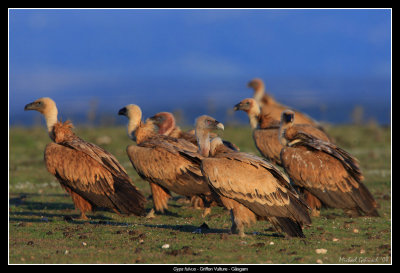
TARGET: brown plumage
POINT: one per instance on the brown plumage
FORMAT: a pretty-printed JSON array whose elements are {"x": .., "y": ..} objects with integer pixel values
[
  {"x": 92, "y": 176},
  {"x": 165, "y": 121},
  {"x": 248, "y": 186},
  {"x": 324, "y": 170},
  {"x": 266, "y": 130},
  {"x": 156, "y": 159},
  {"x": 269, "y": 106}
]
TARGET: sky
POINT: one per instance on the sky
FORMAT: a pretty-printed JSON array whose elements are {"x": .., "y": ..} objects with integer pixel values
[{"x": 324, "y": 62}]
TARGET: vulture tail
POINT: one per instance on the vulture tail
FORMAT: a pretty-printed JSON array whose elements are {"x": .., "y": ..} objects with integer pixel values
[
  {"x": 366, "y": 201},
  {"x": 288, "y": 226},
  {"x": 128, "y": 199}
]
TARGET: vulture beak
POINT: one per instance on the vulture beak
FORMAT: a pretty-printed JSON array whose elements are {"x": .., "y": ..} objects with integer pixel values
[
  {"x": 237, "y": 106},
  {"x": 32, "y": 106},
  {"x": 122, "y": 111},
  {"x": 219, "y": 125},
  {"x": 154, "y": 118}
]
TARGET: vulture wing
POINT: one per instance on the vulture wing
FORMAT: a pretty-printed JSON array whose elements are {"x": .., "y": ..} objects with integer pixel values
[
  {"x": 256, "y": 184},
  {"x": 158, "y": 161},
  {"x": 267, "y": 143},
  {"x": 328, "y": 172}
]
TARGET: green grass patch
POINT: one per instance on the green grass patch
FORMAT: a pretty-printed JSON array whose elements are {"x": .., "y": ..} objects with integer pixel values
[{"x": 42, "y": 228}]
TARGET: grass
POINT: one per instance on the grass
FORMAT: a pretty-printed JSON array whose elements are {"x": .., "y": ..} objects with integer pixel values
[{"x": 42, "y": 228}]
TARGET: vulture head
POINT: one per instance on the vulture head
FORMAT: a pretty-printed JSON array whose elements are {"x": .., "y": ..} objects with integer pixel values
[
  {"x": 287, "y": 119},
  {"x": 47, "y": 107},
  {"x": 252, "y": 108},
  {"x": 42, "y": 105},
  {"x": 207, "y": 123},
  {"x": 131, "y": 111},
  {"x": 134, "y": 115},
  {"x": 248, "y": 105},
  {"x": 258, "y": 86},
  {"x": 165, "y": 122},
  {"x": 204, "y": 125}
]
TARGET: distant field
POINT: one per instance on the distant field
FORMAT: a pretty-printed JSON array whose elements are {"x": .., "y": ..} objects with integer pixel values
[{"x": 42, "y": 229}]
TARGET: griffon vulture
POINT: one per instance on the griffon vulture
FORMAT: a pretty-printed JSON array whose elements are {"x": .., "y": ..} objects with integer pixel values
[
  {"x": 92, "y": 176},
  {"x": 266, "y": 130},
  {"x": 248, "y": 186},
  {"x": 269, "y": 106},
  {"x": 323, "y": 169},
  {"x": 157, "y": 160}
]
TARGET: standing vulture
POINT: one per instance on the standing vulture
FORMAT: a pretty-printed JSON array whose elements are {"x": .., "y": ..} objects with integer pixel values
[
  {"x": 92, "y": 176},
  {"x": 273, "y": 108},
  {"x": 323, "y": 169},
  {"x": 157, "y": 160},
  {"x": 247, "y": 185}
]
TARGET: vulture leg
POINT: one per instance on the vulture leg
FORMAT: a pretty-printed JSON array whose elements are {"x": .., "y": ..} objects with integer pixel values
[
  {"x": 80, "y": 203},
  {"x": 206, "y": 212},
  {"x": 160, "y": 197},
  {"x": 207, "y": 202},
  {"x": 313, "y": 202},
  {"x": 240, "y": 215},
  {"x": 150, "y": 214},
  {"x": 196, "y": 202}
]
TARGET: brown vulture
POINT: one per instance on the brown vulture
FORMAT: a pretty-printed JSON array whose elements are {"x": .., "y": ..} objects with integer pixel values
[
  {"x": 325, "y": 170},
  {"x": 250, "y": 187},
  {"x": 92, "y": 176}
]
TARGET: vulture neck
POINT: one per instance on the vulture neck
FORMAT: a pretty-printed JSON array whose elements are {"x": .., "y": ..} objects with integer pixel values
[
  {"x": 51, "y": 119},
  {"x": 215, "y": 144},
  {"x": 258, "y": 94},
  {"x": 133, "y": 124},
  {"x": 203, "y": 140},
  {"x": 254, "y": 117},
  {"x": 282, "y": 133}
]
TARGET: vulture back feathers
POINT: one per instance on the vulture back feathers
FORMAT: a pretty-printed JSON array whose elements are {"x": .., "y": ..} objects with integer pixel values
[{"x": 91, "y": 172}]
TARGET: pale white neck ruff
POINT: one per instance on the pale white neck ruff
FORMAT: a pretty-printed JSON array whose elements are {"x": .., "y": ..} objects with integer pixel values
[
  {"x": 258, "y": 94},
  {"x": 51, "y": 119},
  {"x": 133, "y": 124},
  {"x": 203, "y": 140},
  {"x": 253, "y": 117},
  {"x": 282, "y": 129}
]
